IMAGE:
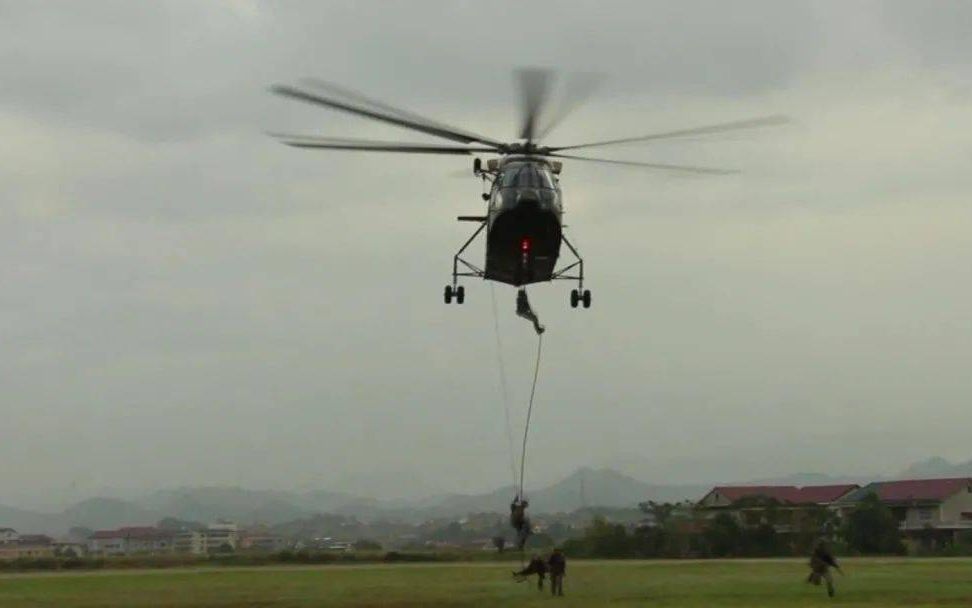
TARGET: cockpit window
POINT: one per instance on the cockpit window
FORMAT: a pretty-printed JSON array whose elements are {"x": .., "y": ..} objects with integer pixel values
[
  {"x": 527, "y": 176},
  {"x": 546, "y": 179},
  {"x": 510, "y": 176}
]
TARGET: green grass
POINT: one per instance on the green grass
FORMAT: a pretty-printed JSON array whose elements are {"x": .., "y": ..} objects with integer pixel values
[{"x": 939, "y": 583}]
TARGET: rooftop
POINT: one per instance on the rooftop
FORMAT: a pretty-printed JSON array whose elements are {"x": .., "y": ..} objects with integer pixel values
[
  {"x": 788, "y": 494},
  {"x": 910, "y": 490},
  {"x": 137, "y": 532}
]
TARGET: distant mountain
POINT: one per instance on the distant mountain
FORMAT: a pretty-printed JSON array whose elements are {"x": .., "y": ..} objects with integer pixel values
[
  {"x": 100, "y": 513},
  {"x": 583, "y": 488},
  {"x": 272, "y": 507},
  {"x": 936, "y": 466},
  {"x": 324, "y": 501},
  {"x": 607, "y": 488},
  {"x": 387, "y": 486},
  {"x": 24, "y": 521},
  {"x": 92, "y": 513},
  {"x": 210, "y": 503},
  {"x": 806, "y": 479}
]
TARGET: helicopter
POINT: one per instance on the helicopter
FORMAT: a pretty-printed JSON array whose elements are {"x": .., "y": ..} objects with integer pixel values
[{"x": 524, "y": 213}]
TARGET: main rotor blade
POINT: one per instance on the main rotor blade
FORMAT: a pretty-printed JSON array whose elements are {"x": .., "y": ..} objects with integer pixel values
[
  {"x": 534, "y": 86},
  {"x": 384, "y": 115},
  {"x": 630, "y": 163},
  {"x": 577, "y": 89},
  {"x": 706, "y": 130},
  {"x": 362, "y": 99},
  {"x": 335, "y": 143}
]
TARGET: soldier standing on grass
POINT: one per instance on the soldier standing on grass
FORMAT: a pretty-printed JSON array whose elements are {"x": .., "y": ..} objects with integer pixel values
[
  {"x": 821, "y": 561},
  {"x": 557, "y": 565}
]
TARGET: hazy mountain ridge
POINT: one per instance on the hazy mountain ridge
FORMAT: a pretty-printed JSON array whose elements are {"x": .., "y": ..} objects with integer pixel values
[
  {"x": 23, "y": 520},
  {"x": 106, "y": 513},
  {"x": 583, "y": 488},
  {"x": 811, "y": 479},
  {"x": 937, "y": 466},
  {"x": 90, "y": 513}
]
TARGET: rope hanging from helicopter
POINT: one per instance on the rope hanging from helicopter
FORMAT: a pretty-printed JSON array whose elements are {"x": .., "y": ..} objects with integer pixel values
[
  {"x": 504, "y": 386},
  {"x": 523, "y": 310},
  {"x": 526, "y": 427},
  {"x": 518, "y": 517}
]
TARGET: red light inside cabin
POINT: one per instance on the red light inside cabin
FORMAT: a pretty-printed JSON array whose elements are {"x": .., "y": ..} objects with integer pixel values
[{"x": 525, "y": 245}]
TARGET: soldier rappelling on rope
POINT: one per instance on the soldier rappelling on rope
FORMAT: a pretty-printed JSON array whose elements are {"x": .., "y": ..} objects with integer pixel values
[
  {"x": 524, "y": 310},
  {"x": 518, "y": 516},
  {"x": 520, "y": 521}
]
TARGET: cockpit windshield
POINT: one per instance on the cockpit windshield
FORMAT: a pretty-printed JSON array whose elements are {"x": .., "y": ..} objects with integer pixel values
[{"x": 527, "y": 176}]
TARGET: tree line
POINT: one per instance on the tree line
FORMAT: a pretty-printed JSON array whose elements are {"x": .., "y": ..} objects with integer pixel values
[{"x": 755, "y": 527}]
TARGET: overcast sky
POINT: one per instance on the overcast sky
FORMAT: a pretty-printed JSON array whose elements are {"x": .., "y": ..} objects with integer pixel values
[{"x": 185, "y": 301}]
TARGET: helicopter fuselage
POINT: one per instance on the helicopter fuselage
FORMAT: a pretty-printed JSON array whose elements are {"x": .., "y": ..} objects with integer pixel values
[{"x": 523, "y": 222}]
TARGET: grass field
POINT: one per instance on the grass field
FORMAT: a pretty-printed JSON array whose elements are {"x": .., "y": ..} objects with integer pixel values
[{"x": 892, "y": 582}]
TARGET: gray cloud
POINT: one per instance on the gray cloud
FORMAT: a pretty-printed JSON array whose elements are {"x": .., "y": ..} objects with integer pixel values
[{"x": 186, "y": 301}]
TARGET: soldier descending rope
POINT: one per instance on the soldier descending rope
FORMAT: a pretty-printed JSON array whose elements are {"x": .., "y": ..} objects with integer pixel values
[
  {"x": 518, "y": 517},
  {"x": 519, "y": 521},
  {"x": 524, "y": 310}
]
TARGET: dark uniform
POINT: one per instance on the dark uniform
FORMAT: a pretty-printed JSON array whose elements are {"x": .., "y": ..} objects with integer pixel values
[
  {"x": 536, "y": 566},
  {"x": 558, "y": 569},
  {"x": 821, "y": 561},
  {"x": 519, "y": 521},
  {"x": 524, "y": 310}
]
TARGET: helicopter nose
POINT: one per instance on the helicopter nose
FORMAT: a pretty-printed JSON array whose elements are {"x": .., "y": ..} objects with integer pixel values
[{"x": 528, "y": 198}]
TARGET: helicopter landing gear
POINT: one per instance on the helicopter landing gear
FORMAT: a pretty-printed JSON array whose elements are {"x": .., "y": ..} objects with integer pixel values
[
  {"x": 580, "y": 296},
  {"x": 459, "y": 293}
]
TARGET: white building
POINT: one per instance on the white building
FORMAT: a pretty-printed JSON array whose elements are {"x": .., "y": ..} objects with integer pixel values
[
  {"x": 131, "y": 540},
  {"x": 930, "y": 512},
  {"x": 8, "y": 535},
  {"x": 264, "y": 543},
  {"x": 220, "y": 537},
  {"x": 190, "y": 541}
]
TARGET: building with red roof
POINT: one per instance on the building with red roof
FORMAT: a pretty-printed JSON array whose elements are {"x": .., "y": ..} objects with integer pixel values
[
  {"x": 19, "y": 546},
  {"x": 929, "y": 511},
  {"x": 725, "y": 496},
  {"x": 130, "y": 540},
  {"x": 788, "y": 509}
]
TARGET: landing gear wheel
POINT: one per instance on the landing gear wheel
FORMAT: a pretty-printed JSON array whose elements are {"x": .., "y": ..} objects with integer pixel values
[
  {"x": 447, "y": 294},
  {"x": 587, "y": 298},
  {"x": 461, "y": 294},
  {"x": 574, "y": 298}
]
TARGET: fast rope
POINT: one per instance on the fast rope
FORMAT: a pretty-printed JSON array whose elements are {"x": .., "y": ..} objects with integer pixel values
[
  {"x": 526, "y": 427},
  {"x": 504, "y": 386},
  {"x": 524, "y": 310}
]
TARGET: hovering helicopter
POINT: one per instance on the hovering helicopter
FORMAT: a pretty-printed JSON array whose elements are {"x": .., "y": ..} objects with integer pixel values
[{"x": 524, "y": 215}]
